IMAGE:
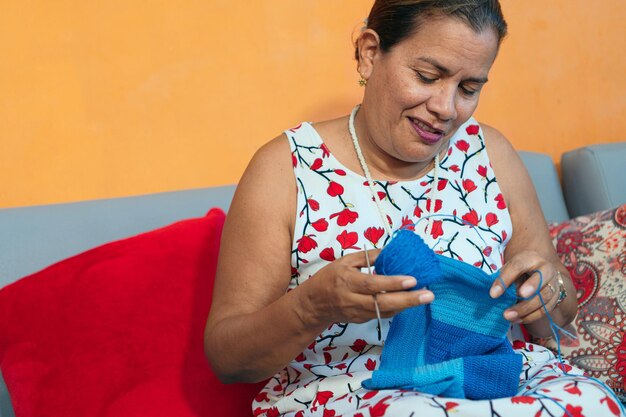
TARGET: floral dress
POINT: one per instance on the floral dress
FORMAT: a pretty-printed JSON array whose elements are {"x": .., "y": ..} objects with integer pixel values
[{"x": 336, "y": 215}]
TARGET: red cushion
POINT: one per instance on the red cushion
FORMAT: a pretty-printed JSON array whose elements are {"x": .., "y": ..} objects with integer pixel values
[{"x": 118, "y": 330}]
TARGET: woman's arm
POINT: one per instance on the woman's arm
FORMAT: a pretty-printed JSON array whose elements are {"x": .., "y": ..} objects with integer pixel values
[
  {"x": 530, "y": 247},
  {"x": 255, "y": 327}
]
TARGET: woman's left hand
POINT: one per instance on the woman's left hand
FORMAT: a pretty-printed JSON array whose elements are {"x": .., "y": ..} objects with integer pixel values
[{"x": 522, "y": 268}]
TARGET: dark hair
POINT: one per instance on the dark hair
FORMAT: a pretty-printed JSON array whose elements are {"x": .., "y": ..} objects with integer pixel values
[{"x": 395, "y": 20}]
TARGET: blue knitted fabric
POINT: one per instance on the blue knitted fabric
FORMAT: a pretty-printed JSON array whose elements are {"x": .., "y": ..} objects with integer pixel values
[{"x": 456, "y": 346}]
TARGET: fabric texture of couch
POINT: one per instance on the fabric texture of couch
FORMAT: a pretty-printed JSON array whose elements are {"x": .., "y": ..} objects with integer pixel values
[{"x": 35, "y": 237}]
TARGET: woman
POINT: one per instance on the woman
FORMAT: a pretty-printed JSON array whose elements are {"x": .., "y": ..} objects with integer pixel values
[{"x": 292, "y": 301}]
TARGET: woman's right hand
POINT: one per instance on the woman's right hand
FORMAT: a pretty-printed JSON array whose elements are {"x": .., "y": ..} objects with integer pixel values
[{"x": 340, "y": 292}]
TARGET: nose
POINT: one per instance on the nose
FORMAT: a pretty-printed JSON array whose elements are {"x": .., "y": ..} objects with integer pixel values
[{"x": 442, "y": 102}]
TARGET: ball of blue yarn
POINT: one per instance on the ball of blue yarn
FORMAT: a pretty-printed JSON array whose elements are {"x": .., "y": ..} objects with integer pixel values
[{"x": 407, "y": 254}]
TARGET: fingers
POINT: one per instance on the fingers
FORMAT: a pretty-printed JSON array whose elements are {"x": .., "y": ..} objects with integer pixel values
[
  {"x": 538, "y": 286},
  {"x": 533, "y": 309},
  {"x": 524, "y": 265},
  {"x": 390, "y": 304}
]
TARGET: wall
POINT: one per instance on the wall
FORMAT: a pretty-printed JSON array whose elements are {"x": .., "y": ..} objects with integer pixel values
[{"x": 104, "y": 99}]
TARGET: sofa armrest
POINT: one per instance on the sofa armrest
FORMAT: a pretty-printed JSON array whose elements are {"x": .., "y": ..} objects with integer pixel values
[{"x": 593, "y": 177}]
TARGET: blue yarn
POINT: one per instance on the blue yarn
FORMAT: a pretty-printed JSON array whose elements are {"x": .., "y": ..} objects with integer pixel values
[
  {"x": 457, "y": 345},
  {"x": 454, "y": 366}
]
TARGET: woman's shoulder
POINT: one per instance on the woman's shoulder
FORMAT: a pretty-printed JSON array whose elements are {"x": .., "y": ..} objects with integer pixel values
[{"x": 501, "y": 151}]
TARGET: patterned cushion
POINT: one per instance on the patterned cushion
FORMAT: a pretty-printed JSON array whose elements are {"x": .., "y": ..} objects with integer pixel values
[{"x": 593, "y": 248}]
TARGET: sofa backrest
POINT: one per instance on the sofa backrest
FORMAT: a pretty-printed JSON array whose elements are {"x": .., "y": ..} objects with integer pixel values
[
  {"x": 546, "y": 181},
  {"x": 35, "y": 237},
  {"x": 594, "y": 177}
]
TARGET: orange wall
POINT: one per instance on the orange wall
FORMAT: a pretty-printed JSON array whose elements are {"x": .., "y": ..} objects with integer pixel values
[{"x": 103, "y": 99}]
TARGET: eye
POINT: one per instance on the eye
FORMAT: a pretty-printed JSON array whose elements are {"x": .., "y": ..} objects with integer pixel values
[
  {"x": 425, "y": 79},
  {"x": 468, "y": 91}
]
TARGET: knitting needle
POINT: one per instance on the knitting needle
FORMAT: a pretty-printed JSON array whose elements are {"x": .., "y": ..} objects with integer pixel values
[{"x": 369, "y": 271}]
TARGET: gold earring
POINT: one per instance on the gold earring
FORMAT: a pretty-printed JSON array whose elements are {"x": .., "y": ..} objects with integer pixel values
[{"x": 362, "y": 82}]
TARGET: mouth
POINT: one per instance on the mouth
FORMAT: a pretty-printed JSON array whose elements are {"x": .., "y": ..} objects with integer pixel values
[{"x": 426, "y": 131}]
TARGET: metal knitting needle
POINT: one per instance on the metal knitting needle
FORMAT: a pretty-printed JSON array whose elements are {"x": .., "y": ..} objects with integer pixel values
[{"x": 369, "y": 271}]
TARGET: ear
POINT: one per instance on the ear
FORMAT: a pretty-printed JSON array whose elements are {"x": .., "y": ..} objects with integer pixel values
[{"x": 369, "y": 47}]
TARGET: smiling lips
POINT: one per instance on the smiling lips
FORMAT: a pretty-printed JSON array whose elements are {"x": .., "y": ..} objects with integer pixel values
[{"x": 426, "y": 132}]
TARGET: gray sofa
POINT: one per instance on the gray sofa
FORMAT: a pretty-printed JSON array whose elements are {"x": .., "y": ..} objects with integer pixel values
[{"x": 35, "y": 237}]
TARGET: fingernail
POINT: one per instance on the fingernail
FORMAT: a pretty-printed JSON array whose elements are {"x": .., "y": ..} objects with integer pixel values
[
  {"x": 527, "y": 291},
  {"x": 409, "y": 283},
  {"x": 510, "y": 315},
  {"x": 426, "y": 298},
  {"x": 495, "y": 291}
]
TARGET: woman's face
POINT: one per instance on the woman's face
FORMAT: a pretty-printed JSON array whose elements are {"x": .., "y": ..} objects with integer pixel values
[{"x": 424, "y": 88}]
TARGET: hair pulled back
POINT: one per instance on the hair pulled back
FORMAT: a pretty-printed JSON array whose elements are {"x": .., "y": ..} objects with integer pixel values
[{"x": 395, "y": 20}]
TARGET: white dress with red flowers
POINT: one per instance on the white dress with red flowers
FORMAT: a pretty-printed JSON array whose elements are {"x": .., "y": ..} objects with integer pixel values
[{"x": 336, "y": 215}]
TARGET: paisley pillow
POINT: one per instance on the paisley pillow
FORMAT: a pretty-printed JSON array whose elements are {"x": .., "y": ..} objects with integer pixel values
[{"x": 593, "y": 248}]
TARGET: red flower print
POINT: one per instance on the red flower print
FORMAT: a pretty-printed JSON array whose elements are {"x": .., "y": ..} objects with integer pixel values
[
  {"x": 564, "y": 367},
  {"x": 328, "y": 254},
  {"x": 358, "y": 345},
  {"x": 407, "y": 223},
  {"x": 347, "y": 240},
  {"x": 359, "y": 415},
  {"x": 373, "y": 234},
  {"x": 487, "y": 251},
  {"x": 478, "y": 264},
  {"x": 381, "y": 195},
  {"x": 442, "y": 184},
  {"x": 317, "y": 164},
  {"x": 437, "y": 229},
  {"x": 471, "y": 217},
  {"x": 340, "y": 172},
  {"x": 327, "y": 358},
  {"x": 482, "y": 171},
  {"x": 612, "y": 405},
  {"x": 491, "y": 219},
  {"x": 313, "y": 204},
  {"x": 574, "y": 411},
  {"x": 573, "y": 389},
  {"x": 300, "y": 357},
  {"x": 469, "y": 186},
  {"x": 294, "y": 160},
  {"x": 523, "y": 400},
  {"x": 370, "y": 394},
  {"x": 500, "y": 199},
  {"x": 293, "y": 129},
  {"x": 370, "y": 364},
  {"x": 325, "y": 151},
  {"x": 417, "y": 211},
  {"x": 262, "y": 396},
  {"x": 378, "y": 410},
  {"x": 345, "y": 216},
  {"x": 306, "y": 243},
  {"x": 438, "y": 204},
  {"x": 300, "y": 413},
  {"x": 518, "y": 344},
  {"x": 329, "y": 413},
  {"x": 504, "y": 235},
  {"x": 322, "y": 397},
  {"x": 450, "y": 405},
  {"x": 472, "y": 129},
  {"x": 455, "y": 168},
  {"x": 273, "y": 412},
  {"x": 334, "y": 189},
  {"x": 462, "y": 145},
  {"x": 321, "y": 225}
]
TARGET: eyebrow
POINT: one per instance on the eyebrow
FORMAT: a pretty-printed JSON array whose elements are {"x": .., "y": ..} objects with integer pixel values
[{"x": 446, "y": 71}]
